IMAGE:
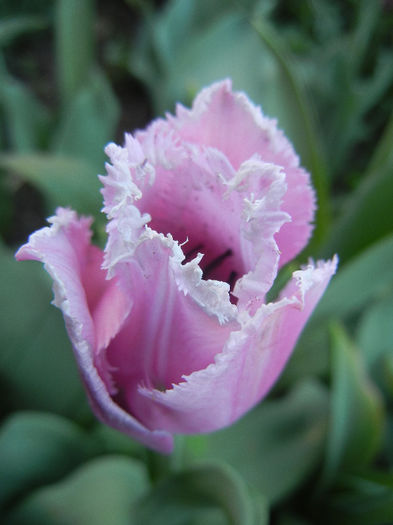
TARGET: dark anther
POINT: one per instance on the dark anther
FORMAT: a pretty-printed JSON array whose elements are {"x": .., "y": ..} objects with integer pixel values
[
  {"x": 191, "y": 253},
  {"x": 232, "y": 279},
  {"x": 215, "y": 263}
]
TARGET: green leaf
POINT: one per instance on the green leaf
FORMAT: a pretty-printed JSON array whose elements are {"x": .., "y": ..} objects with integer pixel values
[
  {"x": 6, "y": 206},
  {"x": 36, "y": 449},
  {"x": 375, "y": 339},
  {"x": 367, "y": 16},
  {"x": 356, "y": 421},
  {"x": 26, "y": 119},
  {"x": 387, "y": 368},
  {"x": 89, "y": 122},
  {"x": 112, "y": 441},
  {"x": 310, "y": 357},
  {"x": 37, "y": 366},
  {"x": 389, "y": 439},
  {"x": 276, "y": 445},
  {"x": 196, "y": 495},
  {"x": 362, "y": 500},
  {"x": 367, "y": 216},
  {"x": 289, "y": 519},
  {"x": 188, "y": 70},
  {"x": 336, "y": 72},
  {"x": 295, "y": 113},
  {"x": 383, "y": 153},
  {"x": 359, "y": 281},
  {"x": 101, "y": 492},
  {"x": 11, "y": 28},
  {"x": 64, "y": 181},
  {"x": 74, "y": 44}
]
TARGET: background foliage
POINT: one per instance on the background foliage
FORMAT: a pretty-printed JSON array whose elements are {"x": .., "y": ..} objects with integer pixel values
[{"x": 75, "y": 74}]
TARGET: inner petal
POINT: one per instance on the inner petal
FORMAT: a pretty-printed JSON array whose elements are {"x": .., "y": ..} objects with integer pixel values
[
  {"x": 189, "y": 203},
  {"x": 218, "y": 109}
]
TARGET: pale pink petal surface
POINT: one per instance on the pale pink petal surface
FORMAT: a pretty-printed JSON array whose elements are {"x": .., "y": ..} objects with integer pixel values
[
  {"x": 94, "y": 310},
  {"x": 249, "y": 364},
  {"x": 216, "y": 109}
]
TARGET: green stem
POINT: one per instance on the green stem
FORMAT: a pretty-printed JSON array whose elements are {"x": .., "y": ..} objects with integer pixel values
[{"x": 160, "y": 465}]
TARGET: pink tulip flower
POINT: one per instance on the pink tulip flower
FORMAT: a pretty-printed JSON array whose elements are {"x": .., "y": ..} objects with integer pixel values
[{"x": 170, "y": 327}]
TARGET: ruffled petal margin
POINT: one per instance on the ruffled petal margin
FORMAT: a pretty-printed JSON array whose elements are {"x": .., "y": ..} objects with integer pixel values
[
  {"x": 250, "y": 363},
  {"x": 230, "y": 122},
  {"x": 85, "y": 297}
]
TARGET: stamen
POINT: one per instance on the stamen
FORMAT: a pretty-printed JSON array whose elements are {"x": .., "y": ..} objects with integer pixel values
[
  {"x": 215, "y": 263},
  {"x": 232, "y": 279},
  {"x": 191, "y": 253}
]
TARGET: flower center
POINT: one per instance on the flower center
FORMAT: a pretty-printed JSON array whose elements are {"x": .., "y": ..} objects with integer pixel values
[
  {"x": 198, "y": 214},
  {"x": 217, "y": 268}
]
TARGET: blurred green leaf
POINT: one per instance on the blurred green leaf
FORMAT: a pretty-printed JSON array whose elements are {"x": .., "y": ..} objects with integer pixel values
[
  {"x": 326, "y": 19},
  {"x": 367, "y": 215},
  {"x": 354, "y": 94},
  {"x": 387, "y": 369},
  {"x": 112, "y": 441},
  {"x": 195, "y": 495},
  {"x": 375, "y": 340},
  {"x": 101, "y": 492},
  {"x": 176, "y": 72},
  {"x": 11, "y": 28},
  {"x": 361, "y": 500},
  {"x": 359, "y": 281},
  {"x": 26, "y": 119},
  {"x": 37, "y": 367},
  {"x": 383, "y": 153},
  {"x": 290, "y": 519},
  {"x": 6, "y": 208},
  {"x": 74, "y": 45},
  {"x": 356, "y": 421},
  {"x": 10, "y": 8},
  {"x": 64, "y": 181},
  {"x": 276, "y": 445},
  {"x": 350, "y": 72},
  {"x": 389, "y": 439},
  {"x": 310, "y": 357},
  {"x": 37, "y": 449},
  {"x": 366, "y": 19},
  {"x": 89, "y": 122},
  {"x": 295, "y": 112}
]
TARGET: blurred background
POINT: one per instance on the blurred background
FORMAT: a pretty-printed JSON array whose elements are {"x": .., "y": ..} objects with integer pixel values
[{"x": 75, "y": 74}]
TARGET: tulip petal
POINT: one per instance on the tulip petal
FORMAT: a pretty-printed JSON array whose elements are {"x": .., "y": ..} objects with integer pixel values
[
  {"x": 248, "y": 366},
  {"x": 263, "y": 218},
  {"x": 177, "y": 324},
  {"x": 94, "y": 310},
  {"x": 230, "y": 123}
]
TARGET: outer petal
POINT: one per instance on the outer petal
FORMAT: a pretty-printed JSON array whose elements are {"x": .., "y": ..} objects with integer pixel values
[
  {"x": 231, "y": 123},
  {"x": 249, "y": 364},
  {"x": 94, "y": 310},
  {"x": 178, "y": 322}
]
